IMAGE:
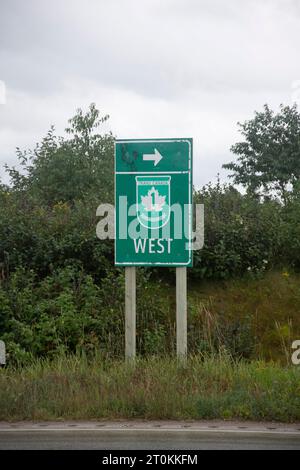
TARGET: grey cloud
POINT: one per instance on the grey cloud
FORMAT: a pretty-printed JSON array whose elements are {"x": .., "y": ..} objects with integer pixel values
[
  {"x": 203, "y": 63},
  {"x": 155, "y": 48}
]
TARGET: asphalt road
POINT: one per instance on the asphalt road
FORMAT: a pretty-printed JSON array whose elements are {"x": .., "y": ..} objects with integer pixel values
[{"x": 148, "y": 436}]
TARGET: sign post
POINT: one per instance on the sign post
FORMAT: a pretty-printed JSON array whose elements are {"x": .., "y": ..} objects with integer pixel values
[
  {"x": 153, "y": 198},
  {"x": 181, "y": 312},
  {"x": 130, "y": 312},
  {"x": 2, "y": 353}
]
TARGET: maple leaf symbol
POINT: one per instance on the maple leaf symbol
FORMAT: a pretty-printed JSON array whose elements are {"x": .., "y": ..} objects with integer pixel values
[{"x": 153, "y": 201}]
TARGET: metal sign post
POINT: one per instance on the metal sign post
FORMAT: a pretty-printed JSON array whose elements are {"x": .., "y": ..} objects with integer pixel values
[{"x": 153, "y": 197}]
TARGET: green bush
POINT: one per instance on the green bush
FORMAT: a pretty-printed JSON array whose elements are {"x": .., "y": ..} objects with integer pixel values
[
  {"x": 242, "y": 234},
  {"x": 68, "y": 312}
]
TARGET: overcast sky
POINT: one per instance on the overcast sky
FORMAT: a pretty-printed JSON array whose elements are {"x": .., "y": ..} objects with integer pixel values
[{"x": 160, "y": 68}]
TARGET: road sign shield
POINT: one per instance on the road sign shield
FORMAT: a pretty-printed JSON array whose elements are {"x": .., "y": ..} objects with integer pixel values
[{"x": 153, "y": 200}]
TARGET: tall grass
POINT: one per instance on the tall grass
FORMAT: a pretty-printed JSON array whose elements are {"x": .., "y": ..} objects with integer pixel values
[{"x": 216, "y": 386}]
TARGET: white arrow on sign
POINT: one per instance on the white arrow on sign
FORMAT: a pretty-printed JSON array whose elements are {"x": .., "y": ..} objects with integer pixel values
[{"x": 155, "y": 157}]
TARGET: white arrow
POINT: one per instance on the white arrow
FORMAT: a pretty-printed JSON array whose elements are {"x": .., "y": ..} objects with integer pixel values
[{"x": 155, "y": 157}]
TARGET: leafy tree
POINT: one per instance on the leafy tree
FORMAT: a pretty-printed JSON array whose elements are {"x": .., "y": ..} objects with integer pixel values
[
  {"x": 63, "y": 169},
  {"x": 48, "y": 214},
  {"x": 269, "y": 157}
]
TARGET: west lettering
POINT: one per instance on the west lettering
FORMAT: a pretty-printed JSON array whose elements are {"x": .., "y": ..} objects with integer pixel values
[{"x": 153, "y": 245}]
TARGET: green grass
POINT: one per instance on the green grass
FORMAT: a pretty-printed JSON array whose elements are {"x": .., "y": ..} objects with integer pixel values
[
  {"x": 259, "y": 315},
  {"x": 155, "y": 388}
]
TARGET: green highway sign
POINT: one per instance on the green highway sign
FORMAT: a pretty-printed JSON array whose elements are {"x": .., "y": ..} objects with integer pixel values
[{"x": 153, "y": 201}]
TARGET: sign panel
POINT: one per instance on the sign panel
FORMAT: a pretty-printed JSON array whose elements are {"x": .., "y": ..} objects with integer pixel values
[{"x": 153, "y": 200}]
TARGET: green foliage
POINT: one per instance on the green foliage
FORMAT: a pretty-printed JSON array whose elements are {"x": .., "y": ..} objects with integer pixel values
[
  {"x": 68, "y": 312},
  {"x": 269, "y": 157},
  {"x": 66, "y": 169},
  {"x": 45, "y": 238},
  {"x": 290, "y": 248},
  {"x": 242, "y": 234},
  {"x": 154, "y": 341}
]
